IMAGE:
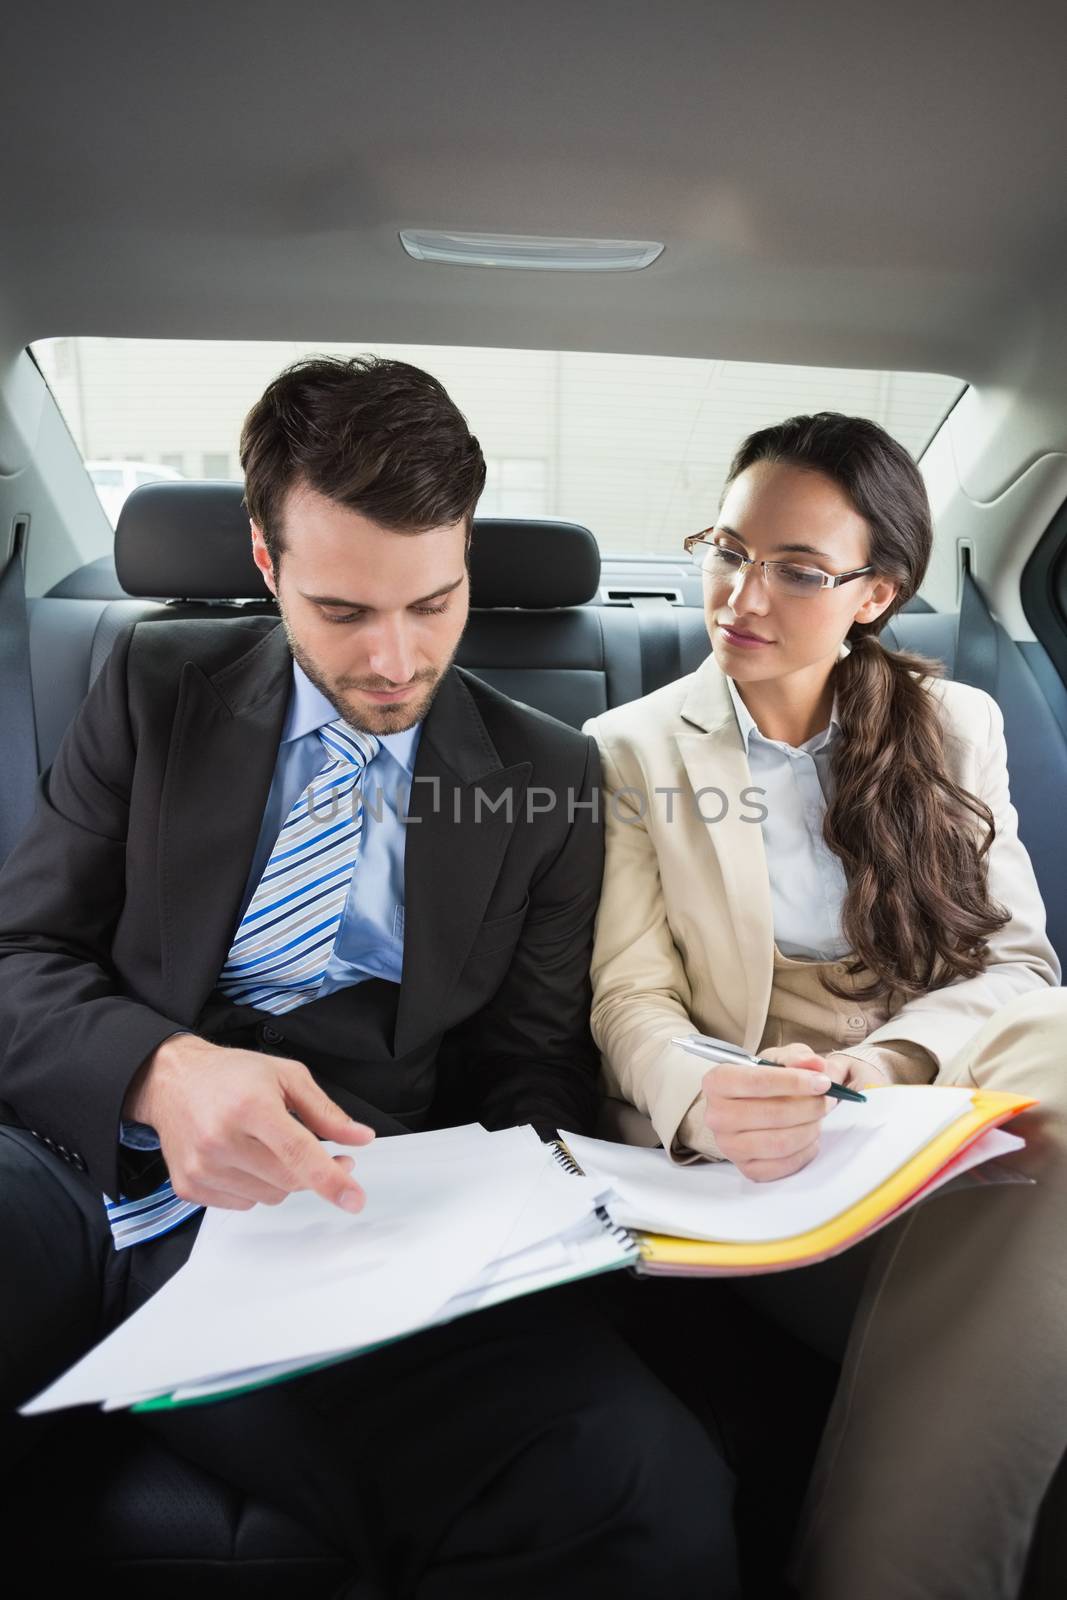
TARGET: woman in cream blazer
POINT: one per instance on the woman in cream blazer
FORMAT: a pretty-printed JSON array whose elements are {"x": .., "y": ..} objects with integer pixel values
[{"x": 811, "y": 852}]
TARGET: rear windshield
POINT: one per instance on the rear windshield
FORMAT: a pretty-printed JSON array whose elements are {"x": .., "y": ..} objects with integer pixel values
[{"x": 634, "y": 447}]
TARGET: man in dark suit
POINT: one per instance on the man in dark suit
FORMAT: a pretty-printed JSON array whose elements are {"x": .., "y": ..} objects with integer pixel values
[{"x": 298, "y": 881}]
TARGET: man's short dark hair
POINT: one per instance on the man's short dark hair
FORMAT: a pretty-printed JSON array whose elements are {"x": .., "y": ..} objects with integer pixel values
[{"x": 379, "y": 436}]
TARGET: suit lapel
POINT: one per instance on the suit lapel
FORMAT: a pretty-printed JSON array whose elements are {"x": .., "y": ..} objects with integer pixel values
[
  {"x": 453, "y": 852},
  {"x": 713, "y": 754},
  {"x": 223, "y": 751}
]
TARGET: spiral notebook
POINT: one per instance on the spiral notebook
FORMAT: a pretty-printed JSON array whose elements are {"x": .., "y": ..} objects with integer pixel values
[{"x": 875, "y": 1161}]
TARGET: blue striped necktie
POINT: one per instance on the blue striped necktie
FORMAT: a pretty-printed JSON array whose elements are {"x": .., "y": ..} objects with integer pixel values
[
  {"x": 283, "y": 946},
  {"x": 285, "y": 941}
]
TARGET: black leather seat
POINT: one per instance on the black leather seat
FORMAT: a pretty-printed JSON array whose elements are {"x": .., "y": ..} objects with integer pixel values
[
  {"x": 533, "y": 633},
  {"x": 99, "y": 1494},
  {"x": 182, "y": 549}
]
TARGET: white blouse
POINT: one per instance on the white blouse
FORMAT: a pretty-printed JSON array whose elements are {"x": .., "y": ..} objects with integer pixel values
[{"x": 808, "y": 882}]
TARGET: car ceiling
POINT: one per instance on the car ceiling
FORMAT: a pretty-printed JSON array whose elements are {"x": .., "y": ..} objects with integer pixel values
[{"x": 839, "y": 183}]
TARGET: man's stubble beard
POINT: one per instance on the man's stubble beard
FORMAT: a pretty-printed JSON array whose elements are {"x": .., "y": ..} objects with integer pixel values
[{"x": 377, "y": 720}]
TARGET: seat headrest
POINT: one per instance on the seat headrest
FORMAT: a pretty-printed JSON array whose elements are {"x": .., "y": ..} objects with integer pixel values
[
  {"x": 524, "y": 561},
  {"x": 190, "y": 541}
]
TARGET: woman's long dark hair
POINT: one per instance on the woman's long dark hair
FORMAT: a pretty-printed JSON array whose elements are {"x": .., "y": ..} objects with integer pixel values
[{"x": 917, "y": 913}]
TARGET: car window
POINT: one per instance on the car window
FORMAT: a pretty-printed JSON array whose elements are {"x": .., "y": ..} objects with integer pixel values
[{"x": 634, "y": 447}]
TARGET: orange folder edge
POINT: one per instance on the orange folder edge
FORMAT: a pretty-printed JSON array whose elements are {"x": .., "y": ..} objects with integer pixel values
[{"x": 989, "y": 1109}]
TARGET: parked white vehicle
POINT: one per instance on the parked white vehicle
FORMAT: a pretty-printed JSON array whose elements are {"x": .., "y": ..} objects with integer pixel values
[{"x": 115, "y": 480}]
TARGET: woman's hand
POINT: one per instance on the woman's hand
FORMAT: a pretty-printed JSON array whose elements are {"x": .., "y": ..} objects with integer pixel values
[
  {"x": 767, "y": 1120},
  {"x": 853, "y": 1071}
]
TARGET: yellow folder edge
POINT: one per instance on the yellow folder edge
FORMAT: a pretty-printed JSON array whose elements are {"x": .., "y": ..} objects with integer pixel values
[{"x": 989, "y": 1108}]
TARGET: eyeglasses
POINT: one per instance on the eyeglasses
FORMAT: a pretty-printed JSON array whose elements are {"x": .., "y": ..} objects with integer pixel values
[{"x": 781, "y": 577}]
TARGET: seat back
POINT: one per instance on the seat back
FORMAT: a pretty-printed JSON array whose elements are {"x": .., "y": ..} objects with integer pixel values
[
  {"x": 1037, "y": 751},
  {"x": 182, "y": 549}
]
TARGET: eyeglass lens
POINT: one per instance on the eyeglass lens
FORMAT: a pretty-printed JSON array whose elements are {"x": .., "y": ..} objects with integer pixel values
[{"x": 782, "y": 576}]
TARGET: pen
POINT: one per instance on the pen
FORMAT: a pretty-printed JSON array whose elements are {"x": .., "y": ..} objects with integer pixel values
[{"x": 698, "y": 1044}]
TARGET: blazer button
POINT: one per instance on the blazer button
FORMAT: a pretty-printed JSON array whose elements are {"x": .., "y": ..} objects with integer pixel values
[
  {"x": 79, "y": 1162},
  {"x": 271, "y": 1035},
  {"x": 857, "y": 1022}
]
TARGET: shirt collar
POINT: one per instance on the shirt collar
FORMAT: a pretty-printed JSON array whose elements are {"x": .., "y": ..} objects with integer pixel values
[
  {"x": 750, "y": 731},
  {"x": 309, "y": 710}
]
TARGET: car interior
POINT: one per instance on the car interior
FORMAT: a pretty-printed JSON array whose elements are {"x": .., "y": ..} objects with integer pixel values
[{"x": 834, "y": 187}]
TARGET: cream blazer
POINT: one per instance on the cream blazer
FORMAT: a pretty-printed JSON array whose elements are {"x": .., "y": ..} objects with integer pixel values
[{"x": 684, "y": 933}]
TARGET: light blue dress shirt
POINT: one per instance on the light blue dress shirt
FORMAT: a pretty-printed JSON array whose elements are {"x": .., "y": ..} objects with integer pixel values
[
  {"x": 808, "y": 883},
  {"x": 370, "y": 940}
]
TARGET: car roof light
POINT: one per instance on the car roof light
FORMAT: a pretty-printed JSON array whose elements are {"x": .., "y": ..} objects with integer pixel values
[{"x": 529, "y": 252}]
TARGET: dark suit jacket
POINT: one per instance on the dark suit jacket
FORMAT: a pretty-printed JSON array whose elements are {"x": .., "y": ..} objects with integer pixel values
[{"x": 119, "y": 905}]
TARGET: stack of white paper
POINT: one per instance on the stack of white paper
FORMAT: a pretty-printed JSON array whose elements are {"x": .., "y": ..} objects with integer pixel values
[{"x": 455, "y": 1220}]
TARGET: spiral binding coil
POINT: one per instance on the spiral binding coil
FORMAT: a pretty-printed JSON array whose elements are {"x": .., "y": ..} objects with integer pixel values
[
  {"x": 620, "y": 1234},
  {"x": 563, "y": 1158}
]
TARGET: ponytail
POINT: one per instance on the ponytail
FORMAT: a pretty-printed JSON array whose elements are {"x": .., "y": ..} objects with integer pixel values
[{"x": 917, "y": 914}]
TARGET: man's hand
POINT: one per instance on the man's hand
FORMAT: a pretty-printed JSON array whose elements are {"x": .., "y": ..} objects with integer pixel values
[
  {"x": 229, "y": 1140},
  {"x": 767, "y": 1120}
]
